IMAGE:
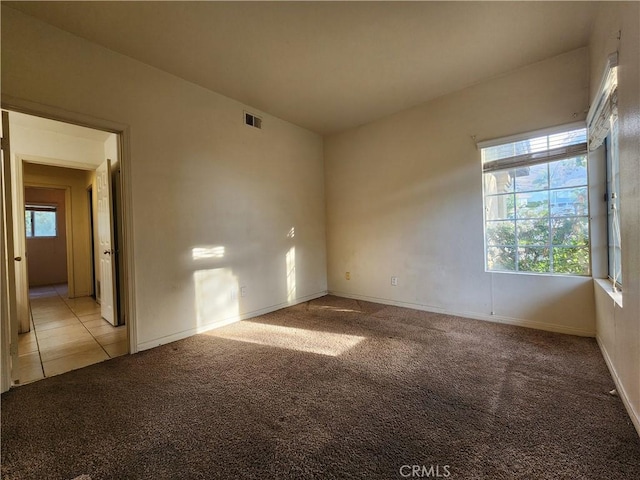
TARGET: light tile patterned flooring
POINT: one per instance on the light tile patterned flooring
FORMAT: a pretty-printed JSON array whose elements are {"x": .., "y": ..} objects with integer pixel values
[{"x": 66, "y": 333}]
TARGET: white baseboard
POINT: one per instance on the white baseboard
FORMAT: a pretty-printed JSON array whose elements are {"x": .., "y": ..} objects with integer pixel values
[
  {"x": 549, "y": 327},
  {"x": 236, "y": 318},
  {"x": 622, "y": 393}
]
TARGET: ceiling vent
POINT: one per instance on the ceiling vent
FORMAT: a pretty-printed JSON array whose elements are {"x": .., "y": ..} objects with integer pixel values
[{"x": 252, "y": 120}]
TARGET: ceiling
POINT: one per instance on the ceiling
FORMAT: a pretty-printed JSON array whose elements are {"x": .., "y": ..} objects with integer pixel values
[{"x": 328, "y": 66}]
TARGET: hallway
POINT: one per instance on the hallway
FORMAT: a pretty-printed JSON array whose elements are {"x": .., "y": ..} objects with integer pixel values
[{"x": 66, "y": 334}]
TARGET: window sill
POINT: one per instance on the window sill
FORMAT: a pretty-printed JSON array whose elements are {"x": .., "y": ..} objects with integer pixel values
[
  {"x": 605, "y": 285},
  {"x": 539, "y": 274}
]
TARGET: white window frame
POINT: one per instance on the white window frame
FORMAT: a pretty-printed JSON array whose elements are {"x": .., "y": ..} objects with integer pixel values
[
  {"x": 602, "y": 122},
  {"x": 543, "y": 158}
]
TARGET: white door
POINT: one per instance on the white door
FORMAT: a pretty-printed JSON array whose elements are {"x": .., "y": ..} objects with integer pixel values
[
  {"x": 105, "y": 240},
  {"x": 9, "y": 317}
]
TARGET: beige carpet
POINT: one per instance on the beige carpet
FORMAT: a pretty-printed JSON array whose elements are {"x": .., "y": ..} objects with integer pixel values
[{"x": 331, "y": 389}]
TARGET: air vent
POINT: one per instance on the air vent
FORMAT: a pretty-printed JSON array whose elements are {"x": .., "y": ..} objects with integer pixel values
[{"x": 251, "y": 120}]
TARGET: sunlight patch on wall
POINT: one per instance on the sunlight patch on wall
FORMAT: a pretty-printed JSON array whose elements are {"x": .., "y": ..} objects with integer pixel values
[
  {"x": 200, "y": 253},
  {"x": 290, "y": 260},
  {"x": 291, "y": 338},
  {"x": 216, "y": 297}
]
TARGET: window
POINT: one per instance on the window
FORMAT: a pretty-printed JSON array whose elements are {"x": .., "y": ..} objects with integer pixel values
[
  {"x": 40, "y": 220},
  {"x": 613, "y": 207},
  {"x": 536, "y": 207},
  {"x": 603, "y": 129}
]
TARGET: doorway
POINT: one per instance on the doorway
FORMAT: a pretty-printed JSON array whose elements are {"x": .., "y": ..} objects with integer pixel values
[
  {"x": 46, "y": 235},
  {"x": 65, "y": 314}
]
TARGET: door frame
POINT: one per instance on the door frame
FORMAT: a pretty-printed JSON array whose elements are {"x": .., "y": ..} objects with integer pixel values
[
  {"x": 128, "y": 303},
  {"x": 8, "y": 307}
]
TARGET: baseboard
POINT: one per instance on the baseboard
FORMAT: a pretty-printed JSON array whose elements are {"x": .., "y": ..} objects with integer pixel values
[
  {"x": 549, "y": 327},
  {"x": 622, "y": 393},
  {"x": 227, "y": 321}
]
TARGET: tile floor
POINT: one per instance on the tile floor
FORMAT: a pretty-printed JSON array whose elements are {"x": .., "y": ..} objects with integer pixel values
[{"x": 66, "y": 333}]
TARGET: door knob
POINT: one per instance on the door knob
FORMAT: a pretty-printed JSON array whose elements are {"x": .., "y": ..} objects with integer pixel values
[
  {"x": 107, "y": 252},
  {"x": 18, "y": 259}
]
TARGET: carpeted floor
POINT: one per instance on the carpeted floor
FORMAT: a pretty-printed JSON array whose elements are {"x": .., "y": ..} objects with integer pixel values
[{"x": 330, "y": 389}]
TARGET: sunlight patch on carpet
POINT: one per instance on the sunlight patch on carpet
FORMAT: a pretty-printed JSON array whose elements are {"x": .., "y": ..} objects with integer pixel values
[
  {"x": 336, "y": 309},
  {"x": 311, "y": 341}
]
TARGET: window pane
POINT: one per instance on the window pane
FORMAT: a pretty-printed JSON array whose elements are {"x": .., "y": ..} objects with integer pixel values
[
  {"x": 533, "y": 259},
  {"x": 571, "y": 260},
  {"x": 28, "y": 223},
  {"x": 44, "y": 224},
  {"x": 533, "y": 145},
  {"x": 613, "y": 204},
  {"x": 499, "y": 207},
  {"x": 501, "y": 258},
  {"x": 532, "y": 205},
  {"x": 498, "y": 182},
  {"x": 501, "y": 233},
  {"x": 615, "y": 265},
  {"x": 533, "y": 232},
  {"x": 534, "y": 177},
  {"x": 570, "y": 231},
  {"x": 571, "y": 172},
  {"x": 568, "y": 138},
  {"x": 499, "y": 151},
  {"x": 569, "y": 201}
]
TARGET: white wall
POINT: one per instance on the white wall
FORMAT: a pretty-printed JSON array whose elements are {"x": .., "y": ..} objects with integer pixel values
[
  {"x": 110, "y": 149},
  {"x": 45, "y": 146},
  {"x": 619, "y": 327},
  {"x": 199, "y": 178},
  {"x": 404, "y": 198}
]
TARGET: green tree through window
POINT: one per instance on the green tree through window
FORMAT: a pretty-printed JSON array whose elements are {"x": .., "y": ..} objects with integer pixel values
[{"x": 40, "y": 221}]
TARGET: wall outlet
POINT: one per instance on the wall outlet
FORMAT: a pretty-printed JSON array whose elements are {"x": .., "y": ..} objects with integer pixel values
[
  {"x": 243, "y": 291},
  {"x": 394, "y": 281},
  {"x": 347, "y": 275}
]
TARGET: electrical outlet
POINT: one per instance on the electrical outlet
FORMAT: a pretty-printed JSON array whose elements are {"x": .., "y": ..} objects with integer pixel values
[
  {"x": 347, "y": 275},
  {"x": 243, "y": 291},
  {"x": 394, "y": 281}
]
